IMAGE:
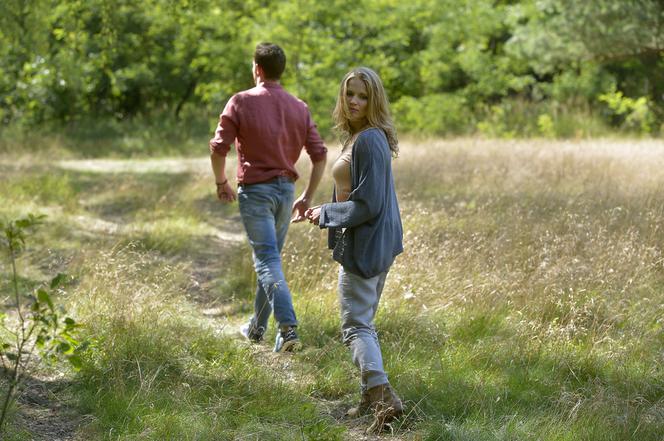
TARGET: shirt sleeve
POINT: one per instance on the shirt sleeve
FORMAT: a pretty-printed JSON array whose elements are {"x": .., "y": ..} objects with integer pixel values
[
  {"x": 227, "y": 129},
  {"x": 314, "y": 145},
  {"x": 365, "y": 202}
]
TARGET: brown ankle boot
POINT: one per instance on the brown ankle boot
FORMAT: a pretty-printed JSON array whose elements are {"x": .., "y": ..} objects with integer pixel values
[
  {"x": 385, "y": 404},
  {"x": 363, "y": 408}
]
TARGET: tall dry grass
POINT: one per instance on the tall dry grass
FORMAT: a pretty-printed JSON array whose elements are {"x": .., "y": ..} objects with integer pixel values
[{"x": 535, "y": 270}]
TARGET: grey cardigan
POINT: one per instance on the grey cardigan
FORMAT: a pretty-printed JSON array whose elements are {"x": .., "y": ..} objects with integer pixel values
[{"x": 373, "y": 235}]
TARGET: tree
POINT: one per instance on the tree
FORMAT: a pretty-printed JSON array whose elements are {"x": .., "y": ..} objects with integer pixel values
[{"x": 624, "y": 36}]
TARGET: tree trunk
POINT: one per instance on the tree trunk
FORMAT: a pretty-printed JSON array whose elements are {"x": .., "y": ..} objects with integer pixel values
[{"x": 185, "y": 97}]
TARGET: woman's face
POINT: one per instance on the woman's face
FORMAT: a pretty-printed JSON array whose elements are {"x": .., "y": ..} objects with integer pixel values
[{"x": 357, "y": 100}]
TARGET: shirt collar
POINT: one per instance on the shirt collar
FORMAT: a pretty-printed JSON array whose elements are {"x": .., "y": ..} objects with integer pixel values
[{"x": 270, "y": 84}]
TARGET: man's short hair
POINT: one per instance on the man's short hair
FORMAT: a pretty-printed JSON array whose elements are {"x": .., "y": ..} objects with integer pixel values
[{"x": 271, "y": 58}]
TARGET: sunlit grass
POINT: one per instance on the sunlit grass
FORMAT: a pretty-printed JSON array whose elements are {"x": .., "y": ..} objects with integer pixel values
[
  {"x": 527, "y": 303},
  {"x": 156, "y": 369},
  {"x": 534, "y": 271}
]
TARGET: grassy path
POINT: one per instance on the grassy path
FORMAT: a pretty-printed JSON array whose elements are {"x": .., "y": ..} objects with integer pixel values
[{"x": 49, "y": 417}]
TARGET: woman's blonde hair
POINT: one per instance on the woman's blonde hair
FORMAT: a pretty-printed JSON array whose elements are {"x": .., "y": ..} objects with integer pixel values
[{"x": 378, "y": 110}]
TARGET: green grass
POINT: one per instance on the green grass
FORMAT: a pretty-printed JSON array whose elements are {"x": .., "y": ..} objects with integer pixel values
[
  {"x": 137, "y": 137},
  {"x": 526, "y": 306}
]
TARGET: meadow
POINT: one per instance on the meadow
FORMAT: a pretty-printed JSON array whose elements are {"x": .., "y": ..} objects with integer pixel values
[{"x": 527, "y": 305}]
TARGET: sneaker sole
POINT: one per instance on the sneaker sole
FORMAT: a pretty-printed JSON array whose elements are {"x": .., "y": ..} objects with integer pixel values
[{"x": 291, "y": 346}]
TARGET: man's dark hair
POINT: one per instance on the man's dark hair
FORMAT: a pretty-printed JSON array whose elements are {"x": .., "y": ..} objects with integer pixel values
[{"x": 272, "y": 59}]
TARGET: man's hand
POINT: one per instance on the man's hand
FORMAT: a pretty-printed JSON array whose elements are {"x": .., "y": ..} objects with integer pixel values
[
  {"x": 225, "y": 193},
  {"x": 300, "y": 206},
  {"x": 313, "y": 214},
  {"x": 302, "y": 203}
]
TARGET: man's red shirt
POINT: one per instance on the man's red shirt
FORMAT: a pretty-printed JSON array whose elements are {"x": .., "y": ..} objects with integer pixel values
[{"x": 269, "y": 127}]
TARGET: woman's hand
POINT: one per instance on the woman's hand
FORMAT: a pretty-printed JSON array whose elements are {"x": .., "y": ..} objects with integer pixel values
[{"x": 313, "y": 214}]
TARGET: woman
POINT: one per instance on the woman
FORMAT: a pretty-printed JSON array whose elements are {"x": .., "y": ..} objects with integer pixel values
[{"x": 364, "y": 230}]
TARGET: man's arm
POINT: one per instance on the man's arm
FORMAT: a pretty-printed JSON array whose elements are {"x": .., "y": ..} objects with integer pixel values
[
  {"x": 225, "y": 192},
  {"x": 302, "y": 203}
]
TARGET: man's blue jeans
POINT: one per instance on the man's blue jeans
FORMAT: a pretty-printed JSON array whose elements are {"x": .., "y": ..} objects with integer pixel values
[{"x": 266, "y": 212}]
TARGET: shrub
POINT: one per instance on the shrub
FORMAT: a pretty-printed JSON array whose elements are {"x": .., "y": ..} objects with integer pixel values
[
  {"x": 433, "y": 115},
  {"x": 630, "y": 113}
]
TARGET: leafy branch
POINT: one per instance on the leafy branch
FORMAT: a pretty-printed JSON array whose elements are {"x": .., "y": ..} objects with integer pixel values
[{"x": 38, "y": 332}]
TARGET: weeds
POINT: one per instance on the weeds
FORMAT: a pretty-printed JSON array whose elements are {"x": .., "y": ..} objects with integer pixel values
[{"x": 39, "y": 329}]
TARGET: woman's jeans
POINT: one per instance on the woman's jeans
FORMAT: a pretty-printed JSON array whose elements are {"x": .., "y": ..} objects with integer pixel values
[
  {"x": 359, "y": 299},
  {"x": 266, "y": 212}
]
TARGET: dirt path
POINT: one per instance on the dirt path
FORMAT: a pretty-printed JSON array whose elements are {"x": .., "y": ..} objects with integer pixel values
[
  {"x": 44, "y": 410},
  {"x": 163, "y": 165}
]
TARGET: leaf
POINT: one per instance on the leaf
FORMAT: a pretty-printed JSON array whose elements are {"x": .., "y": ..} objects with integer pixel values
[
  {"x": 58, "y": 280},
  {"x": 69, "y": 338},
  {"x": 22, "y": 224},
  {"x": 83, "y": 346},
  {"x": 75, "y": 361},
  {"x": 40, "y": 341},
  {"x": 29, "y": 221},
  {"x": 44, "y": 297},
  {"x": 65, "y": 348}
]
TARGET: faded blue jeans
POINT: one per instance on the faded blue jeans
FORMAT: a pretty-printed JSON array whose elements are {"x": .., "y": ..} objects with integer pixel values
[
  {"x": 359, "y": 298},
  {"x": 266, "y": 212}
]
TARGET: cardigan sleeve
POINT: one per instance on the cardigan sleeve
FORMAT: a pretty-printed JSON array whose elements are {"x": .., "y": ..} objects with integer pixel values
[{"x": 365, "y": 202}]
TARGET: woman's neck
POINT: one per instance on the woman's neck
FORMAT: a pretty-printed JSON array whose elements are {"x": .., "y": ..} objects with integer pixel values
[{"x": 357, "y": 126}]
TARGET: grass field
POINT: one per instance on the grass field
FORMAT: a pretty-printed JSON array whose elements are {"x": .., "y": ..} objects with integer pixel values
[{"x": 528, "y": 304}]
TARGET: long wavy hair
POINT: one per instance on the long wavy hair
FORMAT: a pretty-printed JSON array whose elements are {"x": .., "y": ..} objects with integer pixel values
[{"x": 378, "y": 108}]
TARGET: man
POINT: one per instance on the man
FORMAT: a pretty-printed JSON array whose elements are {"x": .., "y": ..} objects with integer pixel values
[{"x": 269, "y": 128}]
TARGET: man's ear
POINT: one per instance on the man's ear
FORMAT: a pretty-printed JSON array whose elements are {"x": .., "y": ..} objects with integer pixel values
[{"x": 258, "y": 71}]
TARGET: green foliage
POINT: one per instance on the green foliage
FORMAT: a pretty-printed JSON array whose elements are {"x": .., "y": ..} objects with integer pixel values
[
  {"x": 633, "y": 113},
  {"x": 443, "y": 62},
  {"x": 619, "y": 43},
  {"x": 496, "y": 123},
  {"x": 323, "y": 431},
  {"x": 16, "y": 231},
  {"x": 545, "y": 126},
  {"x": 433, "y": 114},
  {"x": 40, "y": 327}
]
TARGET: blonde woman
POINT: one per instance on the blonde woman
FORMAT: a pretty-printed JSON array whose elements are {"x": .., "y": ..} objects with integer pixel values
[{"x": 365, "y": 230}]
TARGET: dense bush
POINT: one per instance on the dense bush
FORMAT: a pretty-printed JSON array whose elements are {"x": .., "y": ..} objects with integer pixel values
[{"x": 450, "y": 66}]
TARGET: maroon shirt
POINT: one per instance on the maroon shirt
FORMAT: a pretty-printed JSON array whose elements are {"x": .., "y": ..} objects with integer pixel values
[{"x": 269, "y": 127}]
